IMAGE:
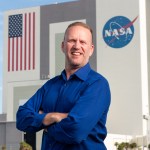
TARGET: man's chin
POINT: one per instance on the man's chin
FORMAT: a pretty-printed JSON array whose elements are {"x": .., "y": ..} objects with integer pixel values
[{"x": 75, "y": 65}]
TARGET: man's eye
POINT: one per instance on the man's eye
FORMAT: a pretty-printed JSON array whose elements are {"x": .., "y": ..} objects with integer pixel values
[
  {"x": 82, "y": 42},
  {"x": 71, "y": 41}
]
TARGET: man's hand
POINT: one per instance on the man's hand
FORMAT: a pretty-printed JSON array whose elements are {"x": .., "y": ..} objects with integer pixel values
[{"x": 51, "y": 118}]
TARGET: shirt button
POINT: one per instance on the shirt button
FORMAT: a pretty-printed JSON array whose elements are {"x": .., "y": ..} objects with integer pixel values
[{"x": 65, "y": 84}]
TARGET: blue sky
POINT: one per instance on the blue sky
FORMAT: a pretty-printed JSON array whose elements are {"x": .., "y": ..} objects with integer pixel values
[{"x": 9, "y": 5}]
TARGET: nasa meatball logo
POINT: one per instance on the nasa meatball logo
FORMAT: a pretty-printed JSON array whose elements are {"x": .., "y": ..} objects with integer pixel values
[{"x": 118, "y": 31}]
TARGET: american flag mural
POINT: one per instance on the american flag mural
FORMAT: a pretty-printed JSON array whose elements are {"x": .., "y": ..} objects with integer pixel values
[{"x": 21, "y": 42}]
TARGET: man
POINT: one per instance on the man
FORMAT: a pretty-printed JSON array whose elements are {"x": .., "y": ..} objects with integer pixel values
[{"x": 72, "y": 107}]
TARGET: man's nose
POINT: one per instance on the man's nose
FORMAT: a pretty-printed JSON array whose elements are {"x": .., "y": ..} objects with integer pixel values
[{"x": 77, "y": 45}]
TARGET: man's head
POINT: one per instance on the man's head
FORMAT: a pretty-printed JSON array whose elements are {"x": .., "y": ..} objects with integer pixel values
[
  {"x": 82, "y": 24},
  {"x": 77, "y": 45}
]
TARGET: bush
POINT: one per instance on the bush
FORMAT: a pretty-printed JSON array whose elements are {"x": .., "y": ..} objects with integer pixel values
[
  {"x": 125, "y": 145},
  {"x": 3, "y": 147},
  {"x": 25, "y": 146}
]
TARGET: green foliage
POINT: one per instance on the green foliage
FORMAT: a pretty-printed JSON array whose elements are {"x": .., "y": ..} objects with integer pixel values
[
  {"x": 125, "y": 145},
  {"x": 25, "y": 146},
  {"x": 3, "y": 147},
  {"x": 133, "y": 145}
]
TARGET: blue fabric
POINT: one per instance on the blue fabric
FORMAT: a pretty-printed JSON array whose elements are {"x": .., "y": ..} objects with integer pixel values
[{"x": 85, "y": 96}]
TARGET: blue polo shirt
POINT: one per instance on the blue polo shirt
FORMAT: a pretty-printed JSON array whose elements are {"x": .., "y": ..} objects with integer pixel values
[{"x": 85, "y": 96}]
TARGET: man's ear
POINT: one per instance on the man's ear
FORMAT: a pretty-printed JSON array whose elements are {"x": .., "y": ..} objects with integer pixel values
[
  {"x": 62, "y": 46},
  {"x": 92, "y": 50}
]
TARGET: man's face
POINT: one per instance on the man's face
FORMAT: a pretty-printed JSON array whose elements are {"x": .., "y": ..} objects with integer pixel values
[{"x": 77, "y": 46}]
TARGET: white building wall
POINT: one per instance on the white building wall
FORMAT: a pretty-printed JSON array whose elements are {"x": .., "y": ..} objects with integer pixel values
[
  {"x": 148, "y": 43},
  {"x": 28, "y": 74},
  {"x": 123, "y": 68},
  {"x": 18, "y": 91}
]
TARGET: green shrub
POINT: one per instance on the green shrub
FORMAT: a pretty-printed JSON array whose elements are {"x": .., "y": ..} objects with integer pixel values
[
  {"x": 25, "y": 146},
  {"x": 4, "y": 147}
]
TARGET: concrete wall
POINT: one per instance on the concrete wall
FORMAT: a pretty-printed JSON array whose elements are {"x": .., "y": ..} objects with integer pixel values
[
  {"x": 123, "y": 67},
  {"x": 148, "y": 43},
  {"x": 9, "y": 135},
  {"x": 3, "y": 117},
  {"x": 2, "y": 133}
]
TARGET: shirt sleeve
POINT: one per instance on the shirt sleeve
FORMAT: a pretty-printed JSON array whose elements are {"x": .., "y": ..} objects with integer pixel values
[
  {"x": 91, "y": 108},
  {"x": 28, "y": 118}
]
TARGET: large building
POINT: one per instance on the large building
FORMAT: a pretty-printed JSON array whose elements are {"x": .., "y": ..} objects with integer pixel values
[{"x": 32, "y": 55}]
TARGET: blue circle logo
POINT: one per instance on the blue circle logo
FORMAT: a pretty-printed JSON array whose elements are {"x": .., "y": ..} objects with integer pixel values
[{"x": 118, "y": 31}]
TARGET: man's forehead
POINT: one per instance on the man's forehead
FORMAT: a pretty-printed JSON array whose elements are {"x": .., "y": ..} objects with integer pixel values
[{"x": 79, "y": 30}]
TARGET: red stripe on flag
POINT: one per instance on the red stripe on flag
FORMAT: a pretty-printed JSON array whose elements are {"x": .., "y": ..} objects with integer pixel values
[
  {"x": 34, "y": 40},
  {"x": 12, "y": 54},
  {"x": 21, "y": 53},
  {"x": 29, "y": 40}
]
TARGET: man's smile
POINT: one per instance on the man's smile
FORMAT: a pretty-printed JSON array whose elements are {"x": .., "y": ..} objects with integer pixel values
[{"x": 76, "y": 53}]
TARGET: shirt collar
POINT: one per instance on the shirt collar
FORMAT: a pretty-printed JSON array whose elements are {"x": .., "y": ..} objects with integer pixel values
[{"x": 81, "y": 73}]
